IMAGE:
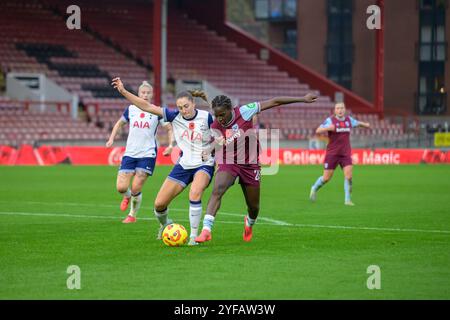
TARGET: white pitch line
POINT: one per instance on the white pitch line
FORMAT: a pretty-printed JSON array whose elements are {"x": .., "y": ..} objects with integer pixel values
[
  {"x": 272, "y": 221},
  {"x": 75, "y": 204},
  {"x": 65, "y": 215},
  {"x": 232, "y": 222},
  {"x": 370, "y": 228}
]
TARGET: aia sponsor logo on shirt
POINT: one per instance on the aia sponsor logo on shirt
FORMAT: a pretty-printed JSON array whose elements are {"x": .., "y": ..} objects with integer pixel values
[
  {"x": 141, "y": 124},
  {"x": 191, "y": 135},
  {"x": 203, "y": 127},
  {"x": 140, "y": 120}
]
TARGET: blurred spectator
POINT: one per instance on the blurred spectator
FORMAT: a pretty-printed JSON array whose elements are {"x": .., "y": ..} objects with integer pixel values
[{"x": 317, "y": 142}]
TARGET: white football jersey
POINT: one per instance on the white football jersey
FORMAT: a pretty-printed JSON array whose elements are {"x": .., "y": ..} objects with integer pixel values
[
  {"x": 141, "y": 142},
  {"x": 193, "y": 136}
]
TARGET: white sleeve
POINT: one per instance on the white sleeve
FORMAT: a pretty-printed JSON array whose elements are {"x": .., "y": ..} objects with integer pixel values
[{"x": 249, "y": 110}]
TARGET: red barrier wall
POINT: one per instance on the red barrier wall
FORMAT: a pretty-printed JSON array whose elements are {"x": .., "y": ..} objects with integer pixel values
[{"x": 48, "y": 155}]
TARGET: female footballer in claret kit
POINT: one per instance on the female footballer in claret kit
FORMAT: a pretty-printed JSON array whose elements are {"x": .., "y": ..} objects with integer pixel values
[{"x": 339, "y": 151}]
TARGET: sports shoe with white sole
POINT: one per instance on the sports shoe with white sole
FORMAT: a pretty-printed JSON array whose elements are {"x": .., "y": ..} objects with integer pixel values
[
  {"x": 248, "y": 231},
  {"x": 192, "y": 242},
  {"x": 161, "y": 229}
]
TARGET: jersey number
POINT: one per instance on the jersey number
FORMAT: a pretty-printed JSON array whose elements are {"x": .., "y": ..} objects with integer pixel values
[{"x": 257, "y": 174}]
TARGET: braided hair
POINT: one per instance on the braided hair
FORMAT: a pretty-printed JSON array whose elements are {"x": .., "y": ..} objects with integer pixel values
[{"x": 221, "y": 101}]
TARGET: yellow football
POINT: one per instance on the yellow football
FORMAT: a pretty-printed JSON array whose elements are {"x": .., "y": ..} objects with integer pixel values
[{"x": 174, "y": 235}]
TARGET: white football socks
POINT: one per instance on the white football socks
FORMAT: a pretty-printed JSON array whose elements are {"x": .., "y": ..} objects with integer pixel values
[
  {"x": 250, "y": 221},
  {"x": 162, "y": 216},
  {"x": 127, "y": 193},
  {"x": 136, "y": 201},
  {"x": 208, "y": 222},
  {"x": 195, "y": 215}
]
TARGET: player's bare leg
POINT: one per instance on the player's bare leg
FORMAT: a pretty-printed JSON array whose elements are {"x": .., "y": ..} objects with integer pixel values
[
  {"x": 348, "y": 174},
  {"x": 222, "y": 182},
  {"x": 122, "y": 184},
  {"x": 169, "y": 190},
  {"x": 321, "y": 181},
  {"x": 198, "y": 186},
  {"x": 252, "y": 198},
  {"x": 136, "y": 195}
]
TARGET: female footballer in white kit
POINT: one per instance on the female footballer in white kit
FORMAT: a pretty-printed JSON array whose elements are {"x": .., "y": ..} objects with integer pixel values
[
  {"x": 191, "y": 128},
  {"x": 140, "y": 153}
]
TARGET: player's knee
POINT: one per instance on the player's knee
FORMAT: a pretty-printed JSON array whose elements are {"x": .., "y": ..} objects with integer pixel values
[
  {"x": 218, "y": 192},
  {"x": 160, "y": 205},
  {"x": 136, "y": 189},
  {"x": 122, "y": 188},
  {"x": 326, "y": 179},
  {"x": 137, "y": 185},
  {"x": 195, "y": 194}
]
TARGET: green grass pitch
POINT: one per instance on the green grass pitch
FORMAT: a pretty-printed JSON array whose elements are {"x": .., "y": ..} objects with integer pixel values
[{"x": 54, "y": 217}]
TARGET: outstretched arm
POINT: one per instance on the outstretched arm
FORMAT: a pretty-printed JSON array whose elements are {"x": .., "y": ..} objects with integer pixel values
[
  {"x": 172, "y": 142},
  {"x": 321, "y": 129},
  {"x": 359, "y": 124},
  {"x": 364, "y": 124},
  {"x": 279, "y": 101},
  {"x": 138, "y": 102},
  {"x": 119, "y": 124},
  {"x": 326, "y": 126}
]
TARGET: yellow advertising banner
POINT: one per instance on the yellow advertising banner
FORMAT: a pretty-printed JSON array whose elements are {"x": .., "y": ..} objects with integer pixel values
[{"x": 442, "y": 139}]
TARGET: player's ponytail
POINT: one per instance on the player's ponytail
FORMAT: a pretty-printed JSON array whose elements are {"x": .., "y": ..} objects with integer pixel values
[
  {"x": 190, "y": 94},
  {"x": 199, "y": 94}
]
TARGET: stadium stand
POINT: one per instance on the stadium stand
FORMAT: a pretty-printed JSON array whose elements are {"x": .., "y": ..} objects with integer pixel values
[
  {"x": 21, "y": 125},
  {"x": 117, "y": 42}
]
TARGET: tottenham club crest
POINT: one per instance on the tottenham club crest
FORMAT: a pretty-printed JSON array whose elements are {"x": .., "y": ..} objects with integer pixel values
[{"x": 203, "y": 126}]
